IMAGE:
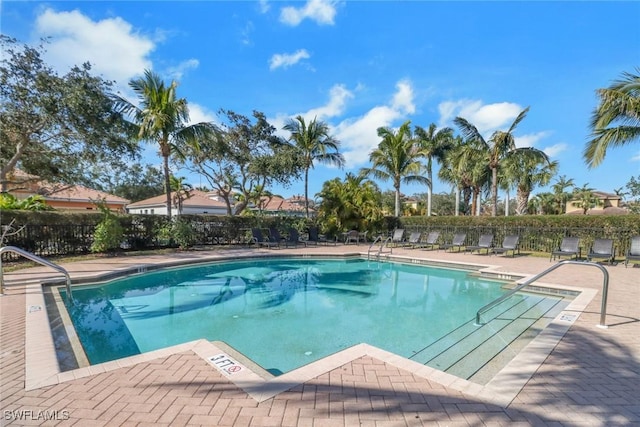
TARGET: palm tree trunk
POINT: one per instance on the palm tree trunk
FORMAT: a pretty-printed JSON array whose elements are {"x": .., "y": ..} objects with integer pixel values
[
  {"x": 506, "y": 204},
  {"x": 397, "y": 201},
  {"x": 306, "y": 191},
  {"x": 167, "y": 183},
  {"x": 494, "y": 191},
  {"x": 457, "y": 190},
  {"x": 429, "y": 188},
  {"x": 523, "y": 201}
]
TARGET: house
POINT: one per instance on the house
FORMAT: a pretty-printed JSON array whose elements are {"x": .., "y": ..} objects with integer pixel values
[
  {"x": 62, "y": 196},
  {"x": 276, "y": 205},
  {"x": 198, "y": 202},
  {"x": 608, "y": 204}
]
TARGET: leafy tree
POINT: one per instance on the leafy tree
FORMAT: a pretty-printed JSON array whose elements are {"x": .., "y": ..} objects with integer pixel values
[
  {"x": 433, "y": 144},
  {"x": 584, "y": 198},
  {"x": 132, "y": 182},
  {"x": 465, "y": 165},
  {"x": 561, "y": 196},
  {"x": 542, "y": 204},
  {"x": 527, "y": 172},
  {"x": 352, "y": 203},
  {"x": 397, "y": 159},
  {"x": 52, "y": 126},
  {"x": 181, "y": 191},
  {"x": 314, "y": 142},
  {"x": 616, "y": 120},
  {"x": 162, "y": 118},
  {"x": 501, "y": 144},
  {"x": 246, "y": 157}
]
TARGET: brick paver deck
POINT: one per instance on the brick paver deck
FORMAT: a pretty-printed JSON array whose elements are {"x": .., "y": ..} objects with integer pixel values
[{"x": 590, "y": 378}]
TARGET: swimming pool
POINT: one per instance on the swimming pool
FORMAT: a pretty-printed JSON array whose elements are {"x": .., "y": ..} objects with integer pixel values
[{"x": 283, "y": 313}]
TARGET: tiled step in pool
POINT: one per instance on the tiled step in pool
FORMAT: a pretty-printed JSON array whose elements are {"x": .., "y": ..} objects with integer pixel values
[{"x": 477, "y": 352}]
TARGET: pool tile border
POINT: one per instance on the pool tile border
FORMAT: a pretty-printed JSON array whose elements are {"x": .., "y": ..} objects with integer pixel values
[{"x": 42, "y": 370}]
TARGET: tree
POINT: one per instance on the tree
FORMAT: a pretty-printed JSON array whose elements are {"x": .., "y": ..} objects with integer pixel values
[
  {"x": 584, "y": 198},
  {"x": 433, "y": 144},
  {"x": 499, "y": 145},
  {"x": 352, "y": 203},
  {"x": 181, "y": 191},
  {"x": 315, "y": 143},
  {"x": 466, "y": 167},
  {"x": 243, "y": 158},
  {"x": 52, "y": 126},
  {"x": 132, "y": 182},
  {"x": 527, "y": 172},
  {"x": 162, "y": 118},
  {"x": 560, "y": 195},
  {"x": 616, "y": 120},
  {"x": 397, "y": 159}
]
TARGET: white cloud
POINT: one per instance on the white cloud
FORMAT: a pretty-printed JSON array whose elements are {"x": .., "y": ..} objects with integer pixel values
[
  {"x": 339, "y": 95},
  {"x": 636, "y": 158},
  {"x": 531, "y": 139},
  {"x": 555, "y": 149},
  {"x": 321, "y": 11},
  {"x": 486, "y": 118},
  {"x": 359, "y": 136},
  {"x": 199, "y": 114},
  {"x": 111, "y": 45},
  {"x": 264, "y": 6},
  {"x": 178, "y": 71},
  {"x": 286, "y": 60}
]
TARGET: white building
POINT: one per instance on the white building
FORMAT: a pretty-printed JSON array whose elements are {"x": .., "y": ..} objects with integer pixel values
[{"x": 199, "y": 202}]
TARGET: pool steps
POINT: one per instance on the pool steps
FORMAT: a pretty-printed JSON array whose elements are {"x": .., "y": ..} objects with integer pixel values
[{"x": 513, "y": 324}]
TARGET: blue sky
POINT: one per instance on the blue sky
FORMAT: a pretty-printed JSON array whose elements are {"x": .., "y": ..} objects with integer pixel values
[{"x": 359, "y": 65}]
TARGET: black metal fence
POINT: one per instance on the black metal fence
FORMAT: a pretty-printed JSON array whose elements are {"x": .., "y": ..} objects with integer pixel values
[{"x": 141, "y": 233}]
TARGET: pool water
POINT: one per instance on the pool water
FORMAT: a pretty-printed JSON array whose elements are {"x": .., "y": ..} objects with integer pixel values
[{"x": 281, "y": 313}]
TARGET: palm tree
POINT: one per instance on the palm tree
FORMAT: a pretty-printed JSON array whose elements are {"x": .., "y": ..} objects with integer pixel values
[
  {"x": 616, "y": 120},
  {"x": 162, "y": 117},
  {"x": 181, "y": 191},
  {"x": 315, "y": 144},
  {"x": 561, "y": 196},
  {"x": 396, "y": 159},
  {"x": 526, "y": 172},
  {"x": 584, "y": 198},
  {"x": 499, "y": 145},
  {"x": 433, "y": 144}
]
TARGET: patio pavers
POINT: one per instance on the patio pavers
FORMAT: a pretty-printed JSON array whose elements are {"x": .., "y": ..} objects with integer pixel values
[{"x": 590, "y": 378}]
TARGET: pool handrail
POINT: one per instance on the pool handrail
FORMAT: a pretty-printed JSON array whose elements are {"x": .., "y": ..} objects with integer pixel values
[
  {"x": 37, "y": 259},
  {"x": 376, "y": 240},
  {"x": 605, "y": 289}
]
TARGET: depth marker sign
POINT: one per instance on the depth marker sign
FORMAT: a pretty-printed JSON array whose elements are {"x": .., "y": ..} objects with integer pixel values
[{"x": 225, "y": 364}]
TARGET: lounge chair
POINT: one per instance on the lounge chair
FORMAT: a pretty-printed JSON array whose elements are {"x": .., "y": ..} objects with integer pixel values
[
  {"x": 457, "y": 242},
  {"x": 352, "y": 236},
  {"x": 484, "y": 242},
  {"x": 316, "y": 238},
  {"x": 259, "y": 239},
  {"x": 633, "y": 253},
  {"x": 275, "y": 237},
  {"x": 431, "y": 240},
  {"x": 398, "y": 237},
  {"x": 414, "y": 239},
  {"x": 294, "y": 238},
  {"x": 602, "y": 249},
  {"x": 570, "y": 246},
  {"x": 509, "y": 243}
]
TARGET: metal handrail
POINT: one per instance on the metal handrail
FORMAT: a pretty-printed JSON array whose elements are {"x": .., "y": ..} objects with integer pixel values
[
  {"x": 376, "y": 240},
  {"x": 387, "y": 240},
  {"x": 37, "y": 259},
  {"x": 605, "y": 289}
]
